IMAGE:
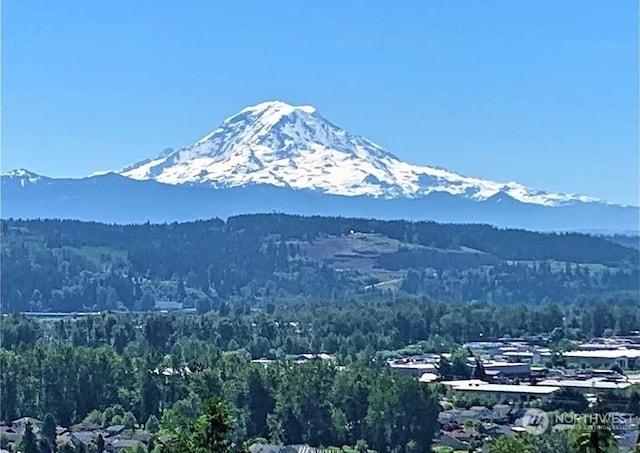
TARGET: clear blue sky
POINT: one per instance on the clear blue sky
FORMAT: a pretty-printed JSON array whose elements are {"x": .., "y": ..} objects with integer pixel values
[{"x": 541, "y": 92}]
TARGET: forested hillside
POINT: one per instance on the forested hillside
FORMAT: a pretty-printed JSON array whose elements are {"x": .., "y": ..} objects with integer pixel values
[{"x": 51, "y": 265}]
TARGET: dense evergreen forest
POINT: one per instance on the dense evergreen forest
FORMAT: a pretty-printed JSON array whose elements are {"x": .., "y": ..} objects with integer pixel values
[
  {"x": 51, "y": 265},
  {"x": 157, "y": 369}
]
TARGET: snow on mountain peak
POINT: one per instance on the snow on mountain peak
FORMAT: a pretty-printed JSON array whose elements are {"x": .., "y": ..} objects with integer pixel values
[
  {"x": 266, "y": 114},
  {"x": 22, "y": 176},
  {"x": 294, "y": 146},
  {"x": 20, "y": 173},
  {"x": 278, "y": 106}
]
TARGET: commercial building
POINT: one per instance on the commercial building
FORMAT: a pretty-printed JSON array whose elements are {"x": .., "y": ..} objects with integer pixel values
[
  {"x": 625, "y": 358},
  {"x": 416, "y": 365},
  {"x": 508, "y": 390},
  {"x": 590, "y": 384},
  {"x": 507, "y": 369}
]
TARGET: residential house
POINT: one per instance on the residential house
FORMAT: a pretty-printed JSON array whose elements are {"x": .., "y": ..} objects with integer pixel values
[
  {"x": 85, "y": 426},
  {"x": 119, "y": 445},
  {"x": 113, "y": 430},
  {"x": 449, "y": 440}
]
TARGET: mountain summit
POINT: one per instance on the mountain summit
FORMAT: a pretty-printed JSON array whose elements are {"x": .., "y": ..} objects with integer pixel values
[{"x": 283, "y": 145}]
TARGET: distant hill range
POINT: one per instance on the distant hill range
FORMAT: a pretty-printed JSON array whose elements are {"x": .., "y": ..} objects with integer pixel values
[
  {"x": 50, "y": 265},
  {"x": 278, "y": 157}
]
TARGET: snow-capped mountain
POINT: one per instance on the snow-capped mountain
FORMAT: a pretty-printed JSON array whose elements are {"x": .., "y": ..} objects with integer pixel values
[
  {"x": 278, "y": 157},
  {"x": 22, "y": 176},
  {"x": 278, "y": 144}
]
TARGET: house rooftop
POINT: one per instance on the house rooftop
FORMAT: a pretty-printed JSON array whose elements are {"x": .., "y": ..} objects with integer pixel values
[
  {"x": 428, "y": 377},
  {"x": 456, "y": 383},
  {"x": 415, "y": 366},
  {"x": 168, "y": 305},
  {"x": 498, "y": 363},
  {"x": 125, "y": 443}
]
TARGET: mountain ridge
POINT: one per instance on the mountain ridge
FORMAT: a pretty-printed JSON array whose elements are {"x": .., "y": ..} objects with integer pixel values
[{"x": 113, "y": 198}]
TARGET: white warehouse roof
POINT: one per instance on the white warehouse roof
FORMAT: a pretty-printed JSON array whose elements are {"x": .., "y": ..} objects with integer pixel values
[
  {"x": 587, "y": 383},
  {"x": 508, "y": 388},
  {"x": 605, "y": 354}
]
